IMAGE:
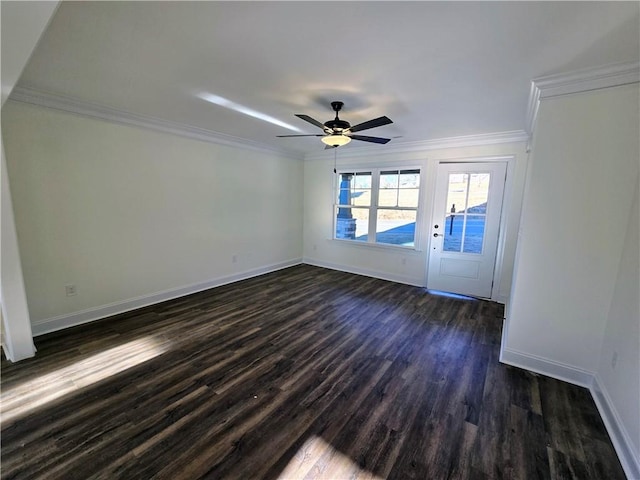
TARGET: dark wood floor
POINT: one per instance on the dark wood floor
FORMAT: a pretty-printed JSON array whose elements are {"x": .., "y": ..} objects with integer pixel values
[{"x": 303, "y": 373}]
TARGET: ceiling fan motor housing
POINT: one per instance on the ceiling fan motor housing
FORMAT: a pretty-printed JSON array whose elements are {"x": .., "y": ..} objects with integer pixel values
[{"x": 337, "y": 125}]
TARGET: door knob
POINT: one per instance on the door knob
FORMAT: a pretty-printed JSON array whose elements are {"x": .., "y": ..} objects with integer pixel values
[{"x": 437, "y": 235}]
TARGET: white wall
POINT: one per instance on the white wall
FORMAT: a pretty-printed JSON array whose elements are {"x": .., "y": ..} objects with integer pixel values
[
  {"x": 569, "y": 300},
  {"x": 618, "y": 374},
  {"x": 583, "y": 168},
  {"x": 130, "y": 215},
  {"x": 399, "y": 264}
]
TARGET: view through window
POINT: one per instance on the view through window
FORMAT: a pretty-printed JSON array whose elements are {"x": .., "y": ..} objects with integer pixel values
[
  {"x": 378, "y": 206},
  {"x": 466, "y": 212}
]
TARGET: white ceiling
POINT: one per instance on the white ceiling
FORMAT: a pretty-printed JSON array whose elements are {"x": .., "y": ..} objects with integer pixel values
[{"x": 437, "y": 69}]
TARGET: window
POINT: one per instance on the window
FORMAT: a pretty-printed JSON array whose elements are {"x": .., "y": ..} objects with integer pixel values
[{"x": 377, "y": 206}]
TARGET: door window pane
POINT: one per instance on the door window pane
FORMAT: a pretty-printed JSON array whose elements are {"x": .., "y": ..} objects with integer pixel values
[
  {"x": 454, "y": 215},
  {"x": 457, "y": 192},
  {"x": 466, "y": 207},
  {"x": 474, "y": 233},
  {"x": 478, "y": 192},
  {"x": 453, "y": 233}
]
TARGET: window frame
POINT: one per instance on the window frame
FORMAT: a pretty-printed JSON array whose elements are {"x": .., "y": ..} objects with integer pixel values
[{"x": 374, "y": 206}]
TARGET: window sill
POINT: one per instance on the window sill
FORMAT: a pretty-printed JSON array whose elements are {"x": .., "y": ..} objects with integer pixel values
[{"x": 377, "y": 246}]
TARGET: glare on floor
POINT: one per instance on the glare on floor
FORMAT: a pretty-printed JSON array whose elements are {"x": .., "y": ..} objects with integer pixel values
[
  {"x": 318, "y": 459},
  {"x": 21, "y": 399}
]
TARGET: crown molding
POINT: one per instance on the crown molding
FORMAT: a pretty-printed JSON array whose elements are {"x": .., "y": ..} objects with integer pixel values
[
  {"x": 543, "y": 87},
  {"x": 577, "y": 82},
  {"x": 92, "y": 110},
  {"x": 79, "y": 107},
  {"x": 516, "y": 136}
]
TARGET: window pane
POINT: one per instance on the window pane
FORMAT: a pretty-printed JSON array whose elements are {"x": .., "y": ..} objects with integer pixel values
[
  {"x": 389, "y": 179},
  {"x": 453, "y": 233},
  {"x": 344, "y": 188},
  {"x": 388, "y": 194},
  {"x": 354, "y": 188},
  {"x": 396, "y": 227},
  {"x": 344, "y": 196},
  {"x": 409, "y": 178},
  {"x": 388, "y": 197},
  {"x": 408, "y": 197},
  {"x": 362, "y": 180},
  {"x": 361, "y": 198},
  {"x": 474, "y": 233},
  {"x": 478, "y": 192},
  {"x": 352, "y": 223}
]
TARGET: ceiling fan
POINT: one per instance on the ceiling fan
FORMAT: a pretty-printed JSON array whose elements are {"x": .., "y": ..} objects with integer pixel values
[{"x": 338, "y": 132}]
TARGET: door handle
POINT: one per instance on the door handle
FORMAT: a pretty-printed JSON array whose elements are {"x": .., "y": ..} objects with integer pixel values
[{"x": 437, "y": 235}]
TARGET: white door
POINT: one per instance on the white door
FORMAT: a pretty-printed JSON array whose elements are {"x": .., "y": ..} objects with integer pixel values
[{"x": 465, "y": 227}]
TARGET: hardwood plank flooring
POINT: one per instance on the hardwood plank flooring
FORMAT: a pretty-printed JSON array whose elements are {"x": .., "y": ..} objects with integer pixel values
[{"x": 302, "y": 373}]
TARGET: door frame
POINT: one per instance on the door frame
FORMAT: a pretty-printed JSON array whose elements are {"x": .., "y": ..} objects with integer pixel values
[{"x": 507, "y": 194}]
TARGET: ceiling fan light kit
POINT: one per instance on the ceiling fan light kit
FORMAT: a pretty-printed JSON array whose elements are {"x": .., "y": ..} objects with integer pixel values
[
  {"x": 336, "y": 140},
  {"x": 338, "y": 132}
]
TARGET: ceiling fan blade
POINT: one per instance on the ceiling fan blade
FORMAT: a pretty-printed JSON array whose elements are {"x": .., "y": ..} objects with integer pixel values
[
  {"x": 309, "y": 135},
  {"x": 364, "y": 138},
  {"x": 312, "y": 121},
  {"x": 376, "y": 122}
]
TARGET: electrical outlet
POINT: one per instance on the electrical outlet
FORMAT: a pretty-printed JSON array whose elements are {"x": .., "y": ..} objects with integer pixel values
[
  {"x": 614, "y": 359},
  {"x": 234, "y": 259},
  {"x": 403, "y": 261},
  {"x": 70, "y": 290}
]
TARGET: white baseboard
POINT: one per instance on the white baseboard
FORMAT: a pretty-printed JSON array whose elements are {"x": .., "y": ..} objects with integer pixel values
[
  {"x": 363, "y": 271},
  {"x": 567, "y": 373},
  {"x": 620, "y": 437},
  {"x": 48, "y": 325},
  {"x": 545, "y": 366}
]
